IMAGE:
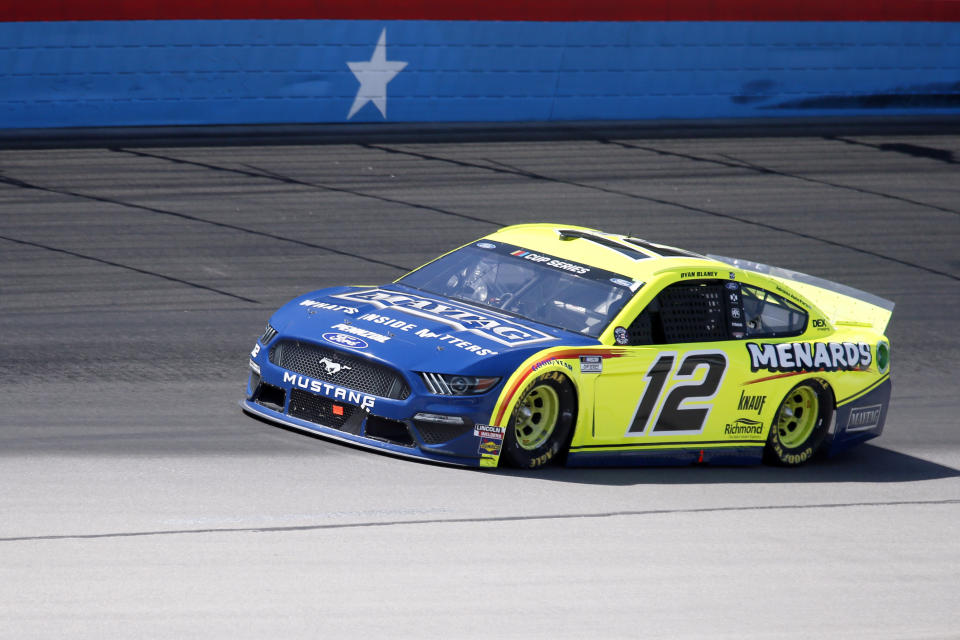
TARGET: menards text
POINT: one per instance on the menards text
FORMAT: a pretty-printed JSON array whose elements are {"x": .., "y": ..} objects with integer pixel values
[{"x": 809, "y": 356}]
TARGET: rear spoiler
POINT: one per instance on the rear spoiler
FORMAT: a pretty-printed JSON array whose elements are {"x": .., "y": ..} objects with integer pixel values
[{"x": 842, "y": 304}]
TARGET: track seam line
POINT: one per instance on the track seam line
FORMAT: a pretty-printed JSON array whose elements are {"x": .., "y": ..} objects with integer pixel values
[{"x": 561, "y": 516}]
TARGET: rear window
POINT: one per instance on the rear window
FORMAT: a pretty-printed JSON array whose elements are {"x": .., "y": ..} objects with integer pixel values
[{"x": 767, "y": 315}]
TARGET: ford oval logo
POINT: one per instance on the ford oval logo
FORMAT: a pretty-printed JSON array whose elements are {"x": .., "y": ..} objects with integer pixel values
[{"x": 343, "y": 340}]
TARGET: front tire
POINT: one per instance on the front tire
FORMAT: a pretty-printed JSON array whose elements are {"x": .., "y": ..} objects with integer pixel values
[
  {"x": 800, "y": 424},
  {"x": 542, "y": 422}
]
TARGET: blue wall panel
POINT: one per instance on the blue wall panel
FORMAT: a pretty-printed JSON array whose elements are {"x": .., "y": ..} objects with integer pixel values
[{"x": 59, "y": 74}]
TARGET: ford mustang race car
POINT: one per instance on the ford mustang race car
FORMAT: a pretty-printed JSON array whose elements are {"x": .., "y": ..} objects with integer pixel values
[{"x": 550, "y": 343}]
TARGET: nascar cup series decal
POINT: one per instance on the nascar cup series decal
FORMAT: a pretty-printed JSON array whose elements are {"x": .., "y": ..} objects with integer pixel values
[{"x": 550, "y": 261}]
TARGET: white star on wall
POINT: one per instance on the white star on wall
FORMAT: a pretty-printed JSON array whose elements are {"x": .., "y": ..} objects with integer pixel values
[{"x": 374, "y": 76}]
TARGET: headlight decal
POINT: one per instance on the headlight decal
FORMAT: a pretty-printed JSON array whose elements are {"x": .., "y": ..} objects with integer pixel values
[{"x": 443, "y": 384}]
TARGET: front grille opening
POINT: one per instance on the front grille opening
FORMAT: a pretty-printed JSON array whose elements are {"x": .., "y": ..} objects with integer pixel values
[
  {"x": 323, "y": 411},
  {"x": 339, "y": 368},
  {"x": 270, "y": 396},
  {"x": 390, "y": 430},
  {"x": 435, "y": 433}
]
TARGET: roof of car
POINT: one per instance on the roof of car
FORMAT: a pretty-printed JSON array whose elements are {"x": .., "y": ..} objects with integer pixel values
[{"x": 634, "y": 257}]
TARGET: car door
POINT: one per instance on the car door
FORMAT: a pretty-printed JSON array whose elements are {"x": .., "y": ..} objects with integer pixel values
[{"x": 680, "y": 372}]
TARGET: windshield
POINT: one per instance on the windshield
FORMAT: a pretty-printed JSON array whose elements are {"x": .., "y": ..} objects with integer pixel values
[{"x": 536, "y": 286}]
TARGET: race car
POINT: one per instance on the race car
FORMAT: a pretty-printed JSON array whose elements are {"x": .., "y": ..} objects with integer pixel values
[{"x": 547, "y": 343}]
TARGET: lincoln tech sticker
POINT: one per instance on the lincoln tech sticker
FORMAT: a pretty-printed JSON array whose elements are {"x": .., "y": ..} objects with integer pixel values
[{"x": 486, "y": 431}]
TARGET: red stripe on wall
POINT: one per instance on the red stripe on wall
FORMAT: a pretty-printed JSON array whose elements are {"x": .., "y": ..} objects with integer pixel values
[{"x": 519, "y": 10}]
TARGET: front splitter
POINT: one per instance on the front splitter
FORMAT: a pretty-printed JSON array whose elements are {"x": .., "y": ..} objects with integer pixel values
[{"x": 257, "y": 411}]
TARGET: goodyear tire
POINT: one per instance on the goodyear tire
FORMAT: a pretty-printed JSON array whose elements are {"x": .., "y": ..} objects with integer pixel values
[
  {"x": 542, "y": 422},
  {"x": 800, "y": 424}
]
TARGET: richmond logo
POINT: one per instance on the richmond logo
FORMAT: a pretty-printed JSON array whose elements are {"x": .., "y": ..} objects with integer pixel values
[{"x": 743, "y": 427}]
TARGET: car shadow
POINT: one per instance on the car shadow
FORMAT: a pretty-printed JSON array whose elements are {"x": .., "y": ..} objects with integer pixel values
[{"x": 867, "y": 463}]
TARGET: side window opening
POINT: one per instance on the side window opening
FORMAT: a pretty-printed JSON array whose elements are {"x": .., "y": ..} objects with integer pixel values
[
  {"x": 712, "y": 310},
  {"x": 683, "y": 312}
]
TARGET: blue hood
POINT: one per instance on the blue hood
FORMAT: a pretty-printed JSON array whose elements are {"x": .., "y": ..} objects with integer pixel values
[{"x": 416, "y": 331}]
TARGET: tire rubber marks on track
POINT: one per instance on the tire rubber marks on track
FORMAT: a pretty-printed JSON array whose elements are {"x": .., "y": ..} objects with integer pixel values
[
  {"x": 185, "y": 216},
  {"x": 256, "y": 172},
  {"x": 129, "y": 268},
  {"x": 507, "y": 169},
  {"x": 736, "y": 163}
]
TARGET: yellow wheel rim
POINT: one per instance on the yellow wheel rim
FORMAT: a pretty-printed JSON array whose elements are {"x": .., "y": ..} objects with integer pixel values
[
  {"x": 536, "y": 417},
  {"x": 798, "y": 417}
]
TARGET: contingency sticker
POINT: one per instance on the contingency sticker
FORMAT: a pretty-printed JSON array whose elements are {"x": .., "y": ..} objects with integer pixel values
[
  {"x": 487, "y": 431},
  {"x": 591, "y": 364},
  {"x": 491, "y": 439},
  {"x": 490, "y": 446}
]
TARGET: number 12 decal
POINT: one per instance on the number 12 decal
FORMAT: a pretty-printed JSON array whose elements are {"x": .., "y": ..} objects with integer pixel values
[{"x": 677, "y": 391}]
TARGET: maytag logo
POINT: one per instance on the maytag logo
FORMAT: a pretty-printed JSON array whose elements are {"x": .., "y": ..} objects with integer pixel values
[
  {"x": 451, "y": 314},
  {"x": 863, "y": 418}
]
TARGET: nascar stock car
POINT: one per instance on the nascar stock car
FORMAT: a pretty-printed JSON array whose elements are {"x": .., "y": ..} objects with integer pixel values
[{"x": 547, "y": 343}]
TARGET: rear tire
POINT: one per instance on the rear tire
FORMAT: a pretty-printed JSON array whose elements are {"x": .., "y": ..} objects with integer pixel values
[
  {"x": 800, "y": 424},
  {"x": 542, "y": 422}
]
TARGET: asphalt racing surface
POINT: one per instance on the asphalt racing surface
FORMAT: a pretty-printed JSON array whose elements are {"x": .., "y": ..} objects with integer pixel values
[{"x": 136, "y": 500}]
